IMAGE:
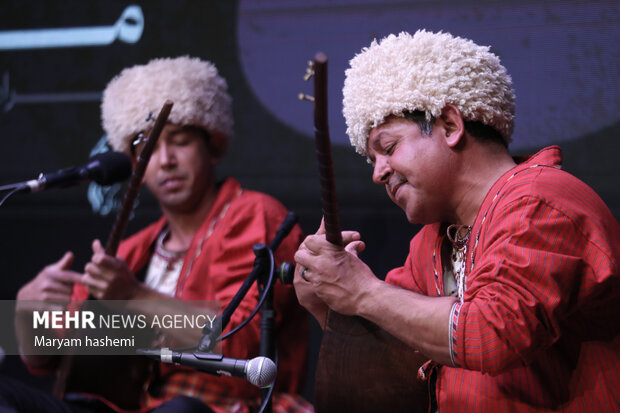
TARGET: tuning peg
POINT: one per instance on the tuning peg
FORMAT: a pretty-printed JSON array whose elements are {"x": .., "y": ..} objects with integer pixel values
[
  {"x": 303, "y": 96},
  {"x": 309, "y": 70}
]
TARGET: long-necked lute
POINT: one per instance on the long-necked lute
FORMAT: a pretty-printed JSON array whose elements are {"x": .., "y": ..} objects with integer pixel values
[
  {"x": 120, "y": 380},
  {"x": 361, "y": 368}
]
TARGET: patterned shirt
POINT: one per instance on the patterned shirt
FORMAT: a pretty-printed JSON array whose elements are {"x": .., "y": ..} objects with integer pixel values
[{"x": 537, "y": 327}]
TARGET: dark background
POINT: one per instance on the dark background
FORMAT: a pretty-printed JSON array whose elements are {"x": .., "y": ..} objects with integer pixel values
[{"x": 563, "y": 57}]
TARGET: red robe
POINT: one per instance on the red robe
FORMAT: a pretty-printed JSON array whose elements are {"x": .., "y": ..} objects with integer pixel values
[
  {"x": 217, "y": 262},
  {"x": 537, "y": 329}
]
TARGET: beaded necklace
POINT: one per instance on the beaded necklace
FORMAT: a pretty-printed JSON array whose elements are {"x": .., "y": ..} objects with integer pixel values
[
  {"x": 461, "y": 277},
  {"x": 458, "y": 255}
]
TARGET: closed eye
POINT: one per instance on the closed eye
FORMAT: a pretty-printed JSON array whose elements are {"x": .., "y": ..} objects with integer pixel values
[{"x": 180, "y": 140}]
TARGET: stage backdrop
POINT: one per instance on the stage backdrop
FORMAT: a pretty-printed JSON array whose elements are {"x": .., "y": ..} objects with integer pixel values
[{"x": 56, "y": 58}]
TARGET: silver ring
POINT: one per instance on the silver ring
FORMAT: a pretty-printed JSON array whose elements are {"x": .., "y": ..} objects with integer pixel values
[{"x": 303, "y": 274}]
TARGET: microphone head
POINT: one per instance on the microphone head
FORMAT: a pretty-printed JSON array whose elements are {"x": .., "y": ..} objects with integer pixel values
[
  {"x": 261, "y": 371},
  {"x": 109, "y": 167}
]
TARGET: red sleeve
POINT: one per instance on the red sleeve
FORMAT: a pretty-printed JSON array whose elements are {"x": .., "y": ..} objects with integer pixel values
[
  {"x": 403, "y": 276},
  {"x": 418, "y": 272}
]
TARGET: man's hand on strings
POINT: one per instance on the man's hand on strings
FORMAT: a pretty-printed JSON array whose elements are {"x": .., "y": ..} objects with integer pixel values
[
  {"x": 109, "y": 278},
  {"x": 50, "y": 290},
  {"x": 52, "y": 287},
  {"x": 334, "y": 276}
]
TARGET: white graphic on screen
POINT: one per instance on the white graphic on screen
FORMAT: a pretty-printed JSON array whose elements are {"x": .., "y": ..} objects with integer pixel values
[{"x": 128, "y": 28}]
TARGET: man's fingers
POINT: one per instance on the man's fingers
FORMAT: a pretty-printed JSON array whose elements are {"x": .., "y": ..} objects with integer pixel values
[
  {"x": 63, "y": 263},
  {"x": 94, "y": 271},
  {"x": 355, "y": 247},
  {"x": 321, "y": 230},
  {"x": 55, "y": 298},
  {"x": 61, "y": 282},
  {"x": 93, "y": 283},
  {"x": 98, "y": 252},
  {"x": 317, "y": 243},
  {"x": 97, "y": 247},
  {"x": 68, "y": 277},
  {"x": 301, "y": 258},
  {"x": 350, "y": 236}
]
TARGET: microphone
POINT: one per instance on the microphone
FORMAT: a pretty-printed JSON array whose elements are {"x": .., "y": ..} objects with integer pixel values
[
  {"x": 285, "y": 228},
  {"x": 105, "y": 168},
  {"x": 260, "y": 371}
]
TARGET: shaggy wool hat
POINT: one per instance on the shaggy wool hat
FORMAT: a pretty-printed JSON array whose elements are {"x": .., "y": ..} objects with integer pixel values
[
  {"x": 424, "y": 72},
  {"x": 134, "y": 98}
]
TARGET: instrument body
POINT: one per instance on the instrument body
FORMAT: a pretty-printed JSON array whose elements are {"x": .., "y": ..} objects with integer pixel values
[{"x": 362, "y": 368}]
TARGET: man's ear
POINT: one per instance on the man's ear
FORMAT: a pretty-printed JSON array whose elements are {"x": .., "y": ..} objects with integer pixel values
[{"x": 452, "y": 122}]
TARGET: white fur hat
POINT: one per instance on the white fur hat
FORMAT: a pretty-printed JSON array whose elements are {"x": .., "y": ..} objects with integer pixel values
[
  {"x": 425, "y": 72},
  {"x": 134, "y": 98}
]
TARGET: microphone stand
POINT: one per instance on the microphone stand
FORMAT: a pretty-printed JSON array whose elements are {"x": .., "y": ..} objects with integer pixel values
[
  {"x": 267, "y": 338},
  {"x": 210, "y": 338},
  {"x": 212, "y": 335},
  {"x": 262, "y": 277}
]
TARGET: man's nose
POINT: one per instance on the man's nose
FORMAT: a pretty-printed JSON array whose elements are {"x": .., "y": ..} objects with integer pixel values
[
  {"x": 382, "y": 171},
  {"x": 165, "y": 154}
]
